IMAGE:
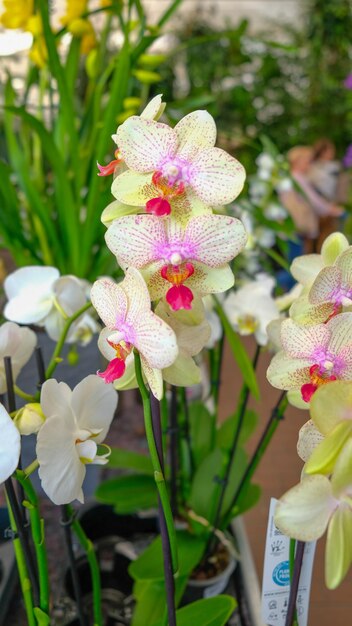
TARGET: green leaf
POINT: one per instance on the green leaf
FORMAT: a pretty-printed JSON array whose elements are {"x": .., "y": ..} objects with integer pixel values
[
  {"x": 249, "y": 497},
  {"x": 205, "y": 487},
  {"x": 125, "y": 459},
  {"x": 42, "y": 618},
  {"x": 226, "y": 431},
  {"x": 239, "y": 352},
  {"x": 151, "y": 599},
  {"x": 200, "y": 431},
  {"x": 129, "y": 494},
  {"x": 149, "y": 566},
  {"x": 210, "y": 612}
]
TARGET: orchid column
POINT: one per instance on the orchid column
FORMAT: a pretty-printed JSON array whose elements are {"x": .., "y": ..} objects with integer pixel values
[{"x": 174, "y": 251}]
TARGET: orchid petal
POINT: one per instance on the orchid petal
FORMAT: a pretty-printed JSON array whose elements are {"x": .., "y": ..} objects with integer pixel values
[
  {"x": 216, "y": 176},
  {"x": 17, "y": 343},
  {"x": 138, "y": 297},
  {"x": 215, "y": 239},
  {"x": 304, "y": 511},
  {"x": 342, "y": 475},
  {"x": 156, "y": 341},
  {"x": 33, "y": 277},
  {"x": 10, "y": 445},
  {"x": 340, "y": 328},
  {"x": 183, "y": 372},
  {"x": 294, "y": 397},
  {"x": 136, "y": 239},
  {"x": 323, "y": 458},
  {"x": 94, "y": 404},
  {"x": 332, "y": 247},
  {"x": 55, "y": 398},
  {"x": 309, "y": 438},
  {"x": 144, "y": 144},
  {"x": 301, "y": 341},
  {"x": 344, "y": 263},
  {"x": 154, "y": 378},
  {"x": 195, "y": 131},
  {"x": 287, "y": 373},
  {"x": 110, "y": 302},
  {"x": 327, "y": 281},
  {"x": 305, "y": 268},
  {"x": 338, "y": 554},
  {"x": 114, "y": 210},
  {"x": 154, "y": 109},
  {"x": 332, "y": 404},
  {"x": 60, "y": 470},
  {"x": 307, "y": 314}
]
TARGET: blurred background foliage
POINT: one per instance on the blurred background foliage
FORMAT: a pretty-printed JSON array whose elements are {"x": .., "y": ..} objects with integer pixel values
[{"x": 82, "y": 80}]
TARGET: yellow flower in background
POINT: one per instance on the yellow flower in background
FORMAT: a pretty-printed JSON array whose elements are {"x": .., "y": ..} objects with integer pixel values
[
  {"x": 17, "y": 13},
  {"x": 74, "y": 11},
  {"x": 39, "y": 53}
]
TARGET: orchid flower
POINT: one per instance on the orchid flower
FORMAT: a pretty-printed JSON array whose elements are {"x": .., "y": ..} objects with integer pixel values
[
  {"x": 125, "y": 309},
  {"x": 316, "y": 504},
  {"x": 176, "y": 260},
  {"x": 38, "y": 295},
  {"x": 167, "y": 164},
  {"x": 10, "y": 445},
  {"x": 17, "y": 343},
  {"x": 152, "y": 111},
  {"x": 306, "y": 268},
  {"x": 313, "y": 355},
  {"x": 333, "y": 285},
  {"x": 252, "y": 307},
  {"x": 331, "y": 414},
  {"x": 76, "y": 422}
]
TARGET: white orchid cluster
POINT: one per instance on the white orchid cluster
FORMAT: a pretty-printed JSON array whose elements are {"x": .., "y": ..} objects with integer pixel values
[
  {"x": 314, "y": 363},
  {"x": 265, "y": 218},
  {"x": 172, "y": 246}
]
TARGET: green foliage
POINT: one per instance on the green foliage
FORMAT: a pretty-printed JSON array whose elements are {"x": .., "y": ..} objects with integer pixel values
[
  {"x": 126, "y": 459},
  {"x": 128, "y": 494},
  {"x": 201, "y": 431},
  {"x": 226, "y": 431},
  {"x": 149, "y": 565},
  {"x": 210, "y": 612}
]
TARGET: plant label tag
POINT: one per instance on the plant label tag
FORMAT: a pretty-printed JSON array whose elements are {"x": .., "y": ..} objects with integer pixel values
[{"x": 276, "y": 576}]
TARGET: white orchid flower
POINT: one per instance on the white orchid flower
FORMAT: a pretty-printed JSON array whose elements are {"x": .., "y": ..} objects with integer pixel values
[
  {"x": 252, "y": 307},
  {"x": 38, "y": 295},
  {"x": 125, "y": 309},
  {"x": 17, "y": 343},
  {"x": 10, "y": 445},
  {"x": 76, "y": 422}
]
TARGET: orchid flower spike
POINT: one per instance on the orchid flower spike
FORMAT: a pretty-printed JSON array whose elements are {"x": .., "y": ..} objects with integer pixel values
[
  {"x": 76, "y": 423},
  {"x": 312, "y": 355},
  {"x": 10, "y": 445},
  {"x": 178, "y": 261},
  {"x": 125, "y": 309},
  {"x": 167, "y": 164},
  {"x": 17, "y": 343}
]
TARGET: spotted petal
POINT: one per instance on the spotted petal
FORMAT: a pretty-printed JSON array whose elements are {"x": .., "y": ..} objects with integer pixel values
[
  {"x": 309, "y": 438},
  {"x": 340, "y": 328},
  {"x": 323, "y": 458},
  {"x": 217, "y": 177},
  {"x": 327, "y": 282},
  {"x": 110, "y": 301},
  {"x": 285, "y": 372},
  {"x": 144, "y": 144},
  {"x": 304, "y": 511},
  {"x": 156, "y": 341},
  {"x": 332, "y": 247},
  {"x": 136, "y": 239},
  {"x": 195, "y": 131},
  {"x": 215, "y": 239},
  {"x": 302, "y": 341}
]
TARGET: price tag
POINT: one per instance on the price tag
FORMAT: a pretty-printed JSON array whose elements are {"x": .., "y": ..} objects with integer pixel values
[{"x": 276, "y": 576}]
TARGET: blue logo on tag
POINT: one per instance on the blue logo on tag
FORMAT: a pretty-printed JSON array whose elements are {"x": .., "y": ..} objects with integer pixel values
[{"x": 281, "y": 574}]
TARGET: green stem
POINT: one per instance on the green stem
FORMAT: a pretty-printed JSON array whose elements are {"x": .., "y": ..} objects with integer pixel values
[
  {"x": 31, "y": 468},
  {"x": 23, "y": 394},
  {"x": 58, "y": 348},
  {"x": 158, "y": 473},
  {"x": 22, "y": 571},
  {"x": 37, "y": 529},
  {"x": 88, "y": 548}
]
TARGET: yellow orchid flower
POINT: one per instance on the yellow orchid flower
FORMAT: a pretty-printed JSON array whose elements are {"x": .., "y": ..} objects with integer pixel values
[{"x": 17, "y": 13}]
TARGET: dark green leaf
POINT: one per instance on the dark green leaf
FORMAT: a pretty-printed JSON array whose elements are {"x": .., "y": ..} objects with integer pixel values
[
  {"x": 210, "y": 612},
  {"x": 200, "y": 431},
  {"x": 226, "y": 431},
  {"x": 129, "y": 494},
  {"x": 125, "y": 459}
]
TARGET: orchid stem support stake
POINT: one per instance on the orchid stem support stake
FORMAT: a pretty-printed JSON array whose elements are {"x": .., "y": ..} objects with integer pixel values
[
  {"x": 173, "y": 449},
  {"x": 66, "y": 523},
  {"x": 290, "y": 616}
]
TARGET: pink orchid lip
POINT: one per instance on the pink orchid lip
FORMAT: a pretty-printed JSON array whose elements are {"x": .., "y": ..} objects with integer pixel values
[
  {"x": 158, "y": 206},
  {"x": 318, "y": 377},
  {"x": 114, "y": 370},
  {"x": 179, "y": 297}
]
